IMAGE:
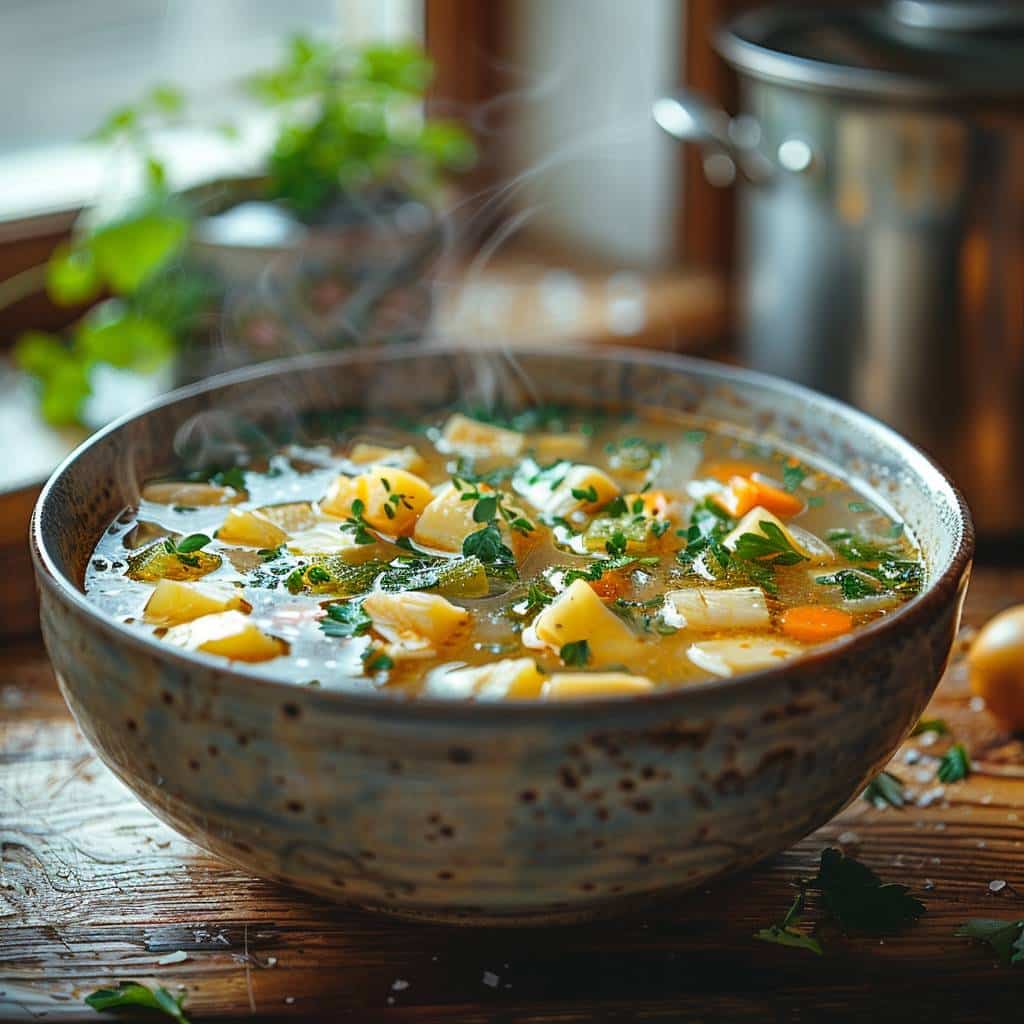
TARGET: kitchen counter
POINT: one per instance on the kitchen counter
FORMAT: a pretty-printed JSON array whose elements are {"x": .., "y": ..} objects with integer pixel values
[{"x": 94, "y": 890}]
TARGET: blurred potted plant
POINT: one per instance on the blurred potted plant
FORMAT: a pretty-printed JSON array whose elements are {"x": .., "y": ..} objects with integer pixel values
[{"x": 327, "y": 248}]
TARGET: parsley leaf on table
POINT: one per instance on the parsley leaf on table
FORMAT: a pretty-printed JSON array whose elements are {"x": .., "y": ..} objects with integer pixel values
[
  {"x": 855, "y": 898},
  {"x": 1004, "y": 938},
  {"x": 955, "y": 764},
  {"x": 858, "y": 900},
  {"x": 131, "y": 993},
  {"x": 885, "y": 789}
]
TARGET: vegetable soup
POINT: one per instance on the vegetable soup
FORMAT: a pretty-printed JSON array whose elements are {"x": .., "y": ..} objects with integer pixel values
[{"x": 551, "y": 554}]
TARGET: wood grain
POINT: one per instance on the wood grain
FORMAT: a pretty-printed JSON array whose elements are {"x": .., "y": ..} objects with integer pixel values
[{"x": 93, "y": 890}]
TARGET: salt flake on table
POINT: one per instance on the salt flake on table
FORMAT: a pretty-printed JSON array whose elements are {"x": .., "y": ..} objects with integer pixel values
[
  {"x": 490, "y": 979},
  {"x": 399, "y": 985},
  {"x": 848, "y": 838},
  {"x": 996, "y": 885},
  {"x": 928, "y": 797},
  {"x": 177, "y": 957}
]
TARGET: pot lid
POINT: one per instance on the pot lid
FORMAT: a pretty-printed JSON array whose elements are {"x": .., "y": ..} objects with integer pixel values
[{"x": 904, "y": 49}]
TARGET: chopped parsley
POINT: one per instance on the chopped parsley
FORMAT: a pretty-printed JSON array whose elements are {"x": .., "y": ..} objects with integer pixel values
[
  {"x": 770, "y": 545},
  {"x": 854, "y": 898},
  {"x": 377, "y": 661},
  {"x": 1004, "y": 938},
  {"x": 885, "y": 790},
  {"x": 233, "y": 477},
  {"x": 792, "y": 477},
  {"x": 588, "y": 494},
  {"x": 487, "y": 545},
  {"x": 131, "y": 993},
  {"x": 357, "y": 525},
  {"x": 346, "y": 620},
  {"x": 576, "y": 653},
  {"x": 185, "y": 548},
  {"x": 854, "y": 584},
  {"x": 955, "y": 764}
]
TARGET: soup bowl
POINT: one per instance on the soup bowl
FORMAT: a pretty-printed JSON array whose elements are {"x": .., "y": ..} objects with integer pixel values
[{"x": 493, "y": 813}]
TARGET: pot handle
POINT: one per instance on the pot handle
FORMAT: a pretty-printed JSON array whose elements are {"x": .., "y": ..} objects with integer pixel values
[{"x": 687, "y": 116}]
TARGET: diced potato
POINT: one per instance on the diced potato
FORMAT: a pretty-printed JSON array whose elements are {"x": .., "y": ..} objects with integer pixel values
[
  {"x": 327, "y": 538},
  {"x": 807, "y": 544},
  {"x": 586, "y": 685},
  {"x": 587, "y": 480},
  {"x": 446, "y": 521},
  {"x": 338, "y": 500},
  {"x": 291, "y": 516},
  {"x": 250, "y": 529},
  {"x": 417, "y": 625},
  {"x": 173, "y": 602},
  {"x": 548, "y": 447},
  {"x": 471, "y": 437},
  {"x": 508, "y": 679},
  {"x": 705, "y": 609},
  {"x": 392, "y": 498},
  {"x": 742, "y": 654},
  {"x": 184, "y": 493},
  {"x": 228, "y": 634},
  {"x": 365, "y": 454},
  {"x": 578, "y": 614}
]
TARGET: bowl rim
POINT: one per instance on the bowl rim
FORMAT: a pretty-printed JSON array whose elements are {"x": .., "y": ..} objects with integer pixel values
[{"x": 915, "y": 612}]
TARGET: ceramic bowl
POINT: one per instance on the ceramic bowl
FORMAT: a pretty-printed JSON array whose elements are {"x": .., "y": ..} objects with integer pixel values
[{"x": 492, "y": 813}]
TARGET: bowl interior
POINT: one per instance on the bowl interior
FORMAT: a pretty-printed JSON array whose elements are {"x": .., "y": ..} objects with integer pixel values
[{"x": 224, "y": 415}]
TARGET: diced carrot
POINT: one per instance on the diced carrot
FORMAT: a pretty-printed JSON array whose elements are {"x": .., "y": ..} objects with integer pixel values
[
  {"x": 739, "y": 497},
  {"x": 656, "y": 503},
  {"x": 610, "y": 585},
  {"x": 776, "y": 500},
  {"x": 744, "y": 493},
  {"x": 812, "y": 623},
  {"x": 728, "y": 468}
]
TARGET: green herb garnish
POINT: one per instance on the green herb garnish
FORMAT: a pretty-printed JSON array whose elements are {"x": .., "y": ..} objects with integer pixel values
[
  {"x": 955, "y": 764},
  {"x": 487, "y": 545},
  {"x": 576, "y": 653},
  {"x": 233, "y": 477},
  {"x": 793, "y": 477},
  {"x": 885, "y": 790},
  {"x": 185, "y": 548},
  {"x": 854, "y": 584},
  {"x": 378, "y": 661},
  {"x": 771, "y": 545},
  {"x": 588, "y": 494},
  {"x": 1004, "y": 938},
  {"x": 357, "y": 525},
  {"x": 346, "y": 620},
  {"x": 131, "y": 993}
]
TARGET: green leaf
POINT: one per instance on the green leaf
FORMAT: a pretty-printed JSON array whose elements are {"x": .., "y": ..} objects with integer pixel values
[
  {"x": 111, "y": 334},
  {"x": 346, "y": 620},
  {"x": 885, "y": 789},
  {"x": 585, "y": 493},
  {"x": 166, "y": 99},
  {"x": 66, "y": 387},
  {"x": 131, "y": 993},
  {"x": 793, "y": 477},
  {"x": 853, "y": 584},
  {"x": 193, "y": 542},
  {"x": 129, "y": 251},
  {"x": 72, "y": 276},
  {"x": 771, "y": 544},
  {"x": 487, "y": 545},
  {"x": 955, "y": 764},
  {"x": 38, "y": 353},
  {"x": 857, "y": 898},
  {"x": 403, "y": 67},
  {"x": 1005, "y": 938},
  {"x": 485, "y": 509},
  {"x": 576, "y": 653},
  {"x": 789, "y": 937},
  {"x": 378, "y": 661},
  {"x": 234, "y": 477}
]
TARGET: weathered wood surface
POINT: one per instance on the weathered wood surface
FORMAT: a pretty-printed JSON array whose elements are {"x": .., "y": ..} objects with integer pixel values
[{"x": 94, "y": 890}]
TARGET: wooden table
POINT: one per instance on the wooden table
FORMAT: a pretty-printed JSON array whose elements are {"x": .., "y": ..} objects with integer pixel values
[{"x": 94, "y": 890}]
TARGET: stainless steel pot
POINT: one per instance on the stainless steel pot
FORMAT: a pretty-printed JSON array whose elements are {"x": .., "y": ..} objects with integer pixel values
[{"x": 880, "y": 157}]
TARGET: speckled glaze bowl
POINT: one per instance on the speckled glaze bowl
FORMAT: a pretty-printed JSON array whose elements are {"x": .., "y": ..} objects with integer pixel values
[{"x": 494, "y": 813}]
